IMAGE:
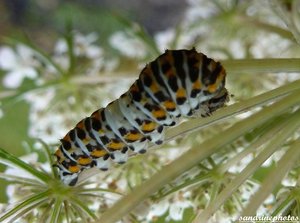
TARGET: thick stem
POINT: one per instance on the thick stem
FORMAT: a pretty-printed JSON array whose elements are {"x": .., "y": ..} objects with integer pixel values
[{"x": 262, "y": 65}]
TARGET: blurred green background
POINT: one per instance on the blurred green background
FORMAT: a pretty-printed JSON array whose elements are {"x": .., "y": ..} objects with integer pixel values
[{"x": 44, "y": 21}]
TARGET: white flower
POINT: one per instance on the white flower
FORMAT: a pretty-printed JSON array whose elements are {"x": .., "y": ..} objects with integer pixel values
[
  {"x": 83, "y": 46},
  {"x": 289, "y": 182},
  {"x": 46, "y": 125},
  {"x": 18, "y": 64},
  {"x": 128, "y": 45},
  {"x": 158, "y": 209},
  {"x": 176, "y": 206},
  {"x": 40, "y": 100},
  {"x": 199, "y": 9},
  {"x": 164, "y": 38}
]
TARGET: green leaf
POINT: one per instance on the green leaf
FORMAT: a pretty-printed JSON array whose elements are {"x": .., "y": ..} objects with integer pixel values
[
  {"x": 276, "y": 175},
  {"x": 13, "y": 161},
  {"x": 285, "y": 131},
  {"x": 27, "y": 204}
]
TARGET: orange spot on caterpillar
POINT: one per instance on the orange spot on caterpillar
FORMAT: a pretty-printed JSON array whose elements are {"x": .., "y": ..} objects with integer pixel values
[
  {"x": 160, "y": 113},
  {"x": 169, "y": 105},
  {"x": 212, "y": 88},
  {"x": 84, "y": 160},
  {"x": 181, "y": 93},
  {"x": 74, "y": 169},
  {"x": 197, "y": 85},
  {"x": 148, "y": 127},
  {"x": 115, "y": 145},
  {"x": 133, "y": 136},
  {"x": 98, "y": 153}
]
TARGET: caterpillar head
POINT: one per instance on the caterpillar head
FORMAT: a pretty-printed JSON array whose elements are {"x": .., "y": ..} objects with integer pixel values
[{"x": 218, "y": 101}]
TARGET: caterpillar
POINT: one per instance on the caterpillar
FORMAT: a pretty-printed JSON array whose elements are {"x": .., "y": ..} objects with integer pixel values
[{"x": 177, "y": 83}]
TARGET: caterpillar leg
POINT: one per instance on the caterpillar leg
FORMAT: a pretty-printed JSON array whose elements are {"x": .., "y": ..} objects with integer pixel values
[{"x": 69, "y": 179}]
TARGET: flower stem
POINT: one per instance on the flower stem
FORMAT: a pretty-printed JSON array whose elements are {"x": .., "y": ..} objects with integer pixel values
[
  {"x": 196, "y": 124},
  {"x": 271, "y": 65},
  {"x": 287, "y": 129},
  {"x": 274, "y": 178}
]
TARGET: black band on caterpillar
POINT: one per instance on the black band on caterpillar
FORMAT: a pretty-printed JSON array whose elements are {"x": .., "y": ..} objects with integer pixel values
[{"x": 178, "y": 83}]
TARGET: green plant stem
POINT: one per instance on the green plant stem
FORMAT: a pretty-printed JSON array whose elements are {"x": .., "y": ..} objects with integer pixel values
[
  {"x": 196, "y": 124},
  {"x": 274, "y": 178},
  {"x": 50, "y": 157},
  {"x": 11, "y": 160},
  {"x": 195, "y": 181},
  {"x": 125, "y": 205},
  {"x": 265, "y": 26},
  {"x": 262, "y": 65},
  {"x": 83, "y": 207},
  {"x": 284, "y": 205},
  {"x": 29, "y": 202},
  {"x": 287, "y": 129},
  {"x": 56, "y": 210},
  {"x": 254, "y": 146},
  {"x": 20, "y": 180},
  {"x": 69, "y": 38},
  {"x": 287, "y": 17}
]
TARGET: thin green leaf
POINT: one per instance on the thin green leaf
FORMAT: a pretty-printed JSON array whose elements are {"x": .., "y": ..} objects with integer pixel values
[
  {"x": 29, "y": 202},
  {"x": 274, "y": 177},
  {"x": 287, "y": 129},
  {"x": 18, "y": 95},
  {"x": 20, "y": 180},
  {"x": 264, "y": 137},
  {"x": 89, "y": 190},
  {"x": 26, "y": 211},
  {"x": 50, "y": 157},
  {"x": 44, "y": 217},
  {"x": 83, "y": 206},
  {"x": 77, "y": 212},
  {"x": 258, "y": 24},
  {"x": 199, "y": 180},
  {"x": 281, "y": 208},
  {"x": 229, "y": 111},
  {"x": 69, "y": 37},
  {"x": 67, "y": 210},
  {"x": 139, "y": 32},
  {"x": 271, "y": 65},
  {"x": 9, "y": 159},
  {"x": 56, "y": 210}
]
